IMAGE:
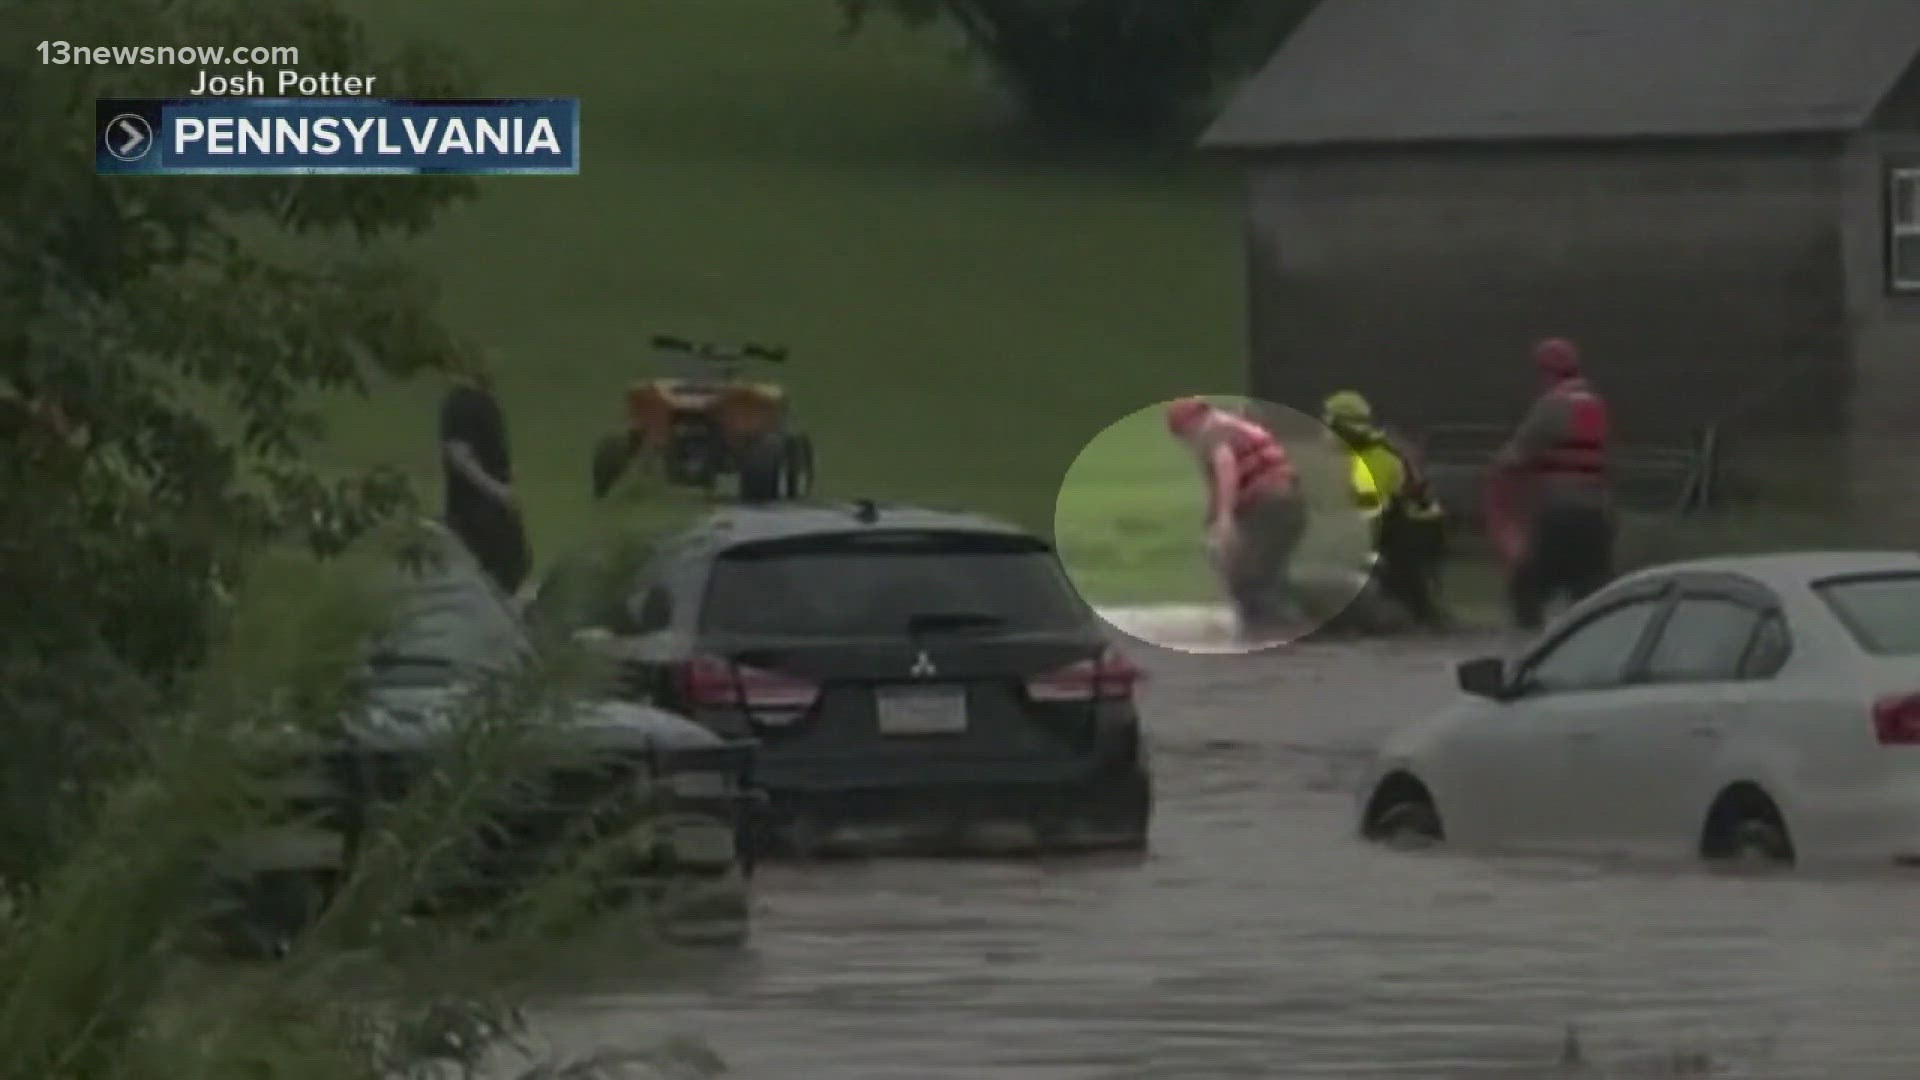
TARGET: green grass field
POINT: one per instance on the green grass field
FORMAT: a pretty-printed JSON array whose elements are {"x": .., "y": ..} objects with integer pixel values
[
  {"x": 1128, "y": 517},
  {"x": 965, "y": 312}
]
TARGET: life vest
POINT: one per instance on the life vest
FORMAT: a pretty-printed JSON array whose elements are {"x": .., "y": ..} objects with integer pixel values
[
  {"x": 1367, "y": 497},
  {"x": 1382, "y": 476},
  {"x": 1582, "y": 450},
  {"x": 1261, "y": 465}
]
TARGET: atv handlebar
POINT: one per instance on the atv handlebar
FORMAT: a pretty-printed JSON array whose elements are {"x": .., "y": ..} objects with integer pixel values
[{"x": 707, "y": 350}]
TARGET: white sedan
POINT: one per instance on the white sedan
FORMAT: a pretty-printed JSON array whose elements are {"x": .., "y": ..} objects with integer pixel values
[{"x": 1763, "y": 707}]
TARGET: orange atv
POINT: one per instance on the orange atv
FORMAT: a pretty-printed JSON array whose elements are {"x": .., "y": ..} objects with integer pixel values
[{"x": 705, "y": 421}]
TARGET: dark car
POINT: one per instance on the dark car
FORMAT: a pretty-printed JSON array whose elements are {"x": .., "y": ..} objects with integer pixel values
[
  {"x": 613, "y": 769},
  {"x": 918, "y": 681}
]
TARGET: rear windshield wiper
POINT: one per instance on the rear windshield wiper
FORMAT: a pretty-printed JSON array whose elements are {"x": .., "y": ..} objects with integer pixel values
[{"x": 952, "y": 620}]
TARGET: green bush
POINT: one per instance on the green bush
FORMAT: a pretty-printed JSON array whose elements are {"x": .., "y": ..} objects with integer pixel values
[
  {"x": 158, "y": 359},
  {"x": 104, "y": 967}
]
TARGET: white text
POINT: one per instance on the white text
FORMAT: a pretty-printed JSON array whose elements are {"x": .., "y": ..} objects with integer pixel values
[
  {"x": 324, "y": 135},
  {"x": 65, "y": 52}
]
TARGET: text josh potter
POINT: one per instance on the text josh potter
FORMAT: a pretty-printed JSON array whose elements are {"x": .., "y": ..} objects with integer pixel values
[{"x": 288, "y": 83}]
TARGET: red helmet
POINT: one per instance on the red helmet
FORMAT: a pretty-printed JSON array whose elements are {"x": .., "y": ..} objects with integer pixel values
[
  {"x": 1557, "y": 358},
  {"x": 1185, "y": 414}
]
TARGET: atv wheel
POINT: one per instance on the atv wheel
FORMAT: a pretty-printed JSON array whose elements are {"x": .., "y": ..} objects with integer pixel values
[
  {"x": 763, "y": 469},
  {"x": 798, "y": 471}
]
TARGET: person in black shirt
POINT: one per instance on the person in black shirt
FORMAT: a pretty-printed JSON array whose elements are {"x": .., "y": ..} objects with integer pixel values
[{"x": 481, "y": 506}]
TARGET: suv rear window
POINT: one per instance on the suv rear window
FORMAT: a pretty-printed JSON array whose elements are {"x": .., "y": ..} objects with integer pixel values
[
  {"x": 881, "y": 583},
  {"x": 1882, "y": 612}
]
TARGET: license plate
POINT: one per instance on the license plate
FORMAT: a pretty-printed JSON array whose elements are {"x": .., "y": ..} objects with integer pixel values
[{"x": 922, "y": 711}]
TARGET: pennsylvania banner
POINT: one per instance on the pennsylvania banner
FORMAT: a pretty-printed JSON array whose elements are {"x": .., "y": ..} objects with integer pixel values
[{"x": 351, "y": 136}]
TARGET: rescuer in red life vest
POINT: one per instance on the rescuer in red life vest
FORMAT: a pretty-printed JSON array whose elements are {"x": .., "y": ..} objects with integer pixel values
[
  {"x": 1559, "y": 455},
  {"x": 1255, "y": 512}
]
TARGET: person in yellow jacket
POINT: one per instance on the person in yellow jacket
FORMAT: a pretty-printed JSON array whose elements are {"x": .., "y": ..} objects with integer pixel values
[{"x": 1390, "y": 491}]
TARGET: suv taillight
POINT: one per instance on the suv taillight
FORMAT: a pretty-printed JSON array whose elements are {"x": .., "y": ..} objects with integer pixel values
[
  {"x": 1896, "y": 720},
  {"x": 1107, "y": 677},
  {"x": 710, "y": 682}
]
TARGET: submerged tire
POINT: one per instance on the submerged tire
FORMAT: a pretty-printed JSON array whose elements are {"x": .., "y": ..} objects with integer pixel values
[
  {"x": 1760, "y": 841},
  {"x": 1409, "y": 826},
  {"x": 1115, "y": 816},
  {"x": 1745, "y": 830},
  {"x": 1131, "y": 817},
  {"x": 1403, "y": 816}
]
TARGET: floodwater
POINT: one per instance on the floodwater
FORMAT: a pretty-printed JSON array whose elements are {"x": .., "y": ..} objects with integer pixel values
[
  {"x": 1190, "y": 628},
  {"x": 1260, "y": 939}
]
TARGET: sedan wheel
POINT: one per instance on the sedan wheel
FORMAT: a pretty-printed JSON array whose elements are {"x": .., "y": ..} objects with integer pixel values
[
  {"x": 1408, "y": 826},
  {"x": 1758, "y": 843},
  {"x": 1745, "y": 831}
]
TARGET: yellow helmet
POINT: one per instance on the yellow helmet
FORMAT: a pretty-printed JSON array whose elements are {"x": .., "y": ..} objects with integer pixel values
[{"x": 1348, "y": 408}]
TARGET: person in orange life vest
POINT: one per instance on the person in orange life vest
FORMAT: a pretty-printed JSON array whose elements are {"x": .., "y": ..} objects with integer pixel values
[
  {"x": 1255, "y": 512},
  {"x": 1560, "y": 454}
]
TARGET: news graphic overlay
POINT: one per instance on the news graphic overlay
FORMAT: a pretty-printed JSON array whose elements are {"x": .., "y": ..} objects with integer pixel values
[{"x": 349, "y": 136}]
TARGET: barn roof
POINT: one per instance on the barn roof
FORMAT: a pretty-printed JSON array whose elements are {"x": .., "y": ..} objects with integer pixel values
[{"x": 1400, "y": 71}]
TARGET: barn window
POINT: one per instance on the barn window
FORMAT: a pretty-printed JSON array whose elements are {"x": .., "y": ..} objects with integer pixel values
[{"x": 1903, "y": 230}]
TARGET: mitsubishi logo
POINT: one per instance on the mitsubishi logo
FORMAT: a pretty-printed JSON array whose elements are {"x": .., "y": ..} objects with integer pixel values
[{"x": 923, "y": 666}]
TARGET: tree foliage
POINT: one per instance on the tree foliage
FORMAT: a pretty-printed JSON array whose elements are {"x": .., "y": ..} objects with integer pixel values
[
  {"x": 161, "y": 343},
  {"x": 1106, "y": 69}
]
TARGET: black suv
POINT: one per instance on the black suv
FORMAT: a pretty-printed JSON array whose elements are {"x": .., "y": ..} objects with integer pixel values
[{"x": 919, "y": 681}]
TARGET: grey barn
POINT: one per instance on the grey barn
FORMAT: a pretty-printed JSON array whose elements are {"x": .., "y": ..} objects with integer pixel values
[{"x": 1719, "y": 200}]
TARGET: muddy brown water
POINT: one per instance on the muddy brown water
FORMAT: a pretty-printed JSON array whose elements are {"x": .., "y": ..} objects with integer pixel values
[{"x": 1260, "y": 939}]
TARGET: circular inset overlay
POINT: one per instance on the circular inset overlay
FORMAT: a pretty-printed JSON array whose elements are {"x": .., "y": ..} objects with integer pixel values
[{"x": 1134, "y": 530}]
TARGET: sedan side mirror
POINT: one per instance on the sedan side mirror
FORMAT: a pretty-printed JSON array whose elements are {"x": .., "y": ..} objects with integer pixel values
[{"x": 1484, "y": 677}]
